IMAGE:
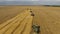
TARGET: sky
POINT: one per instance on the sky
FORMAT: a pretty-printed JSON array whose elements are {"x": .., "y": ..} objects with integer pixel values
[
  {"x": 55, "y": 2},
  {"x": 29, "y": 0}
]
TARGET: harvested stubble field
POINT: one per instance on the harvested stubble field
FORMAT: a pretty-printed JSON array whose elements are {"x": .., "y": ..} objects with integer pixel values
[{"x": 17, "y": 19}]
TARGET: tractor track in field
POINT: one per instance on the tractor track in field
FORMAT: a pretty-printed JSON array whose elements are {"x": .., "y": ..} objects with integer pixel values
[
  {"x": 7, "y": 17},
  {"x": 6, "y": 25},
  {"x": 17, "y": 26},
  {"x": 12, "y": 26},
  {"x": 9, "y": 23},
  {"x": 26, "y": 28},
  {"x": 16, "y": 19}
]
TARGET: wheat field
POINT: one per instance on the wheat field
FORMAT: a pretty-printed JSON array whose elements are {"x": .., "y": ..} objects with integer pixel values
[{"x": 18, "y": 20}]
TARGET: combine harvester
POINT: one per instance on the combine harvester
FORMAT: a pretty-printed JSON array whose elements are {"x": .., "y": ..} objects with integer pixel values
[
  {"x": 20, "y": 24},
  {"x": 35, "y": 27}
]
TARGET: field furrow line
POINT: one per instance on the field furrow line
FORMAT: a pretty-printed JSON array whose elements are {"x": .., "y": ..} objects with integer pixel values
[
  {"x": 11, "y": 20},
  {"x": 4, "y": 28},
  {"x": 23, "y": 25},
  {"x": 28, "y": 27},
  {"x": 15, "y": 25}
]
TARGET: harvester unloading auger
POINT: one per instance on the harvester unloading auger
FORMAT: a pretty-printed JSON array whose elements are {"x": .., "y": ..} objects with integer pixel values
[{"x": 35, "y": 27}]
